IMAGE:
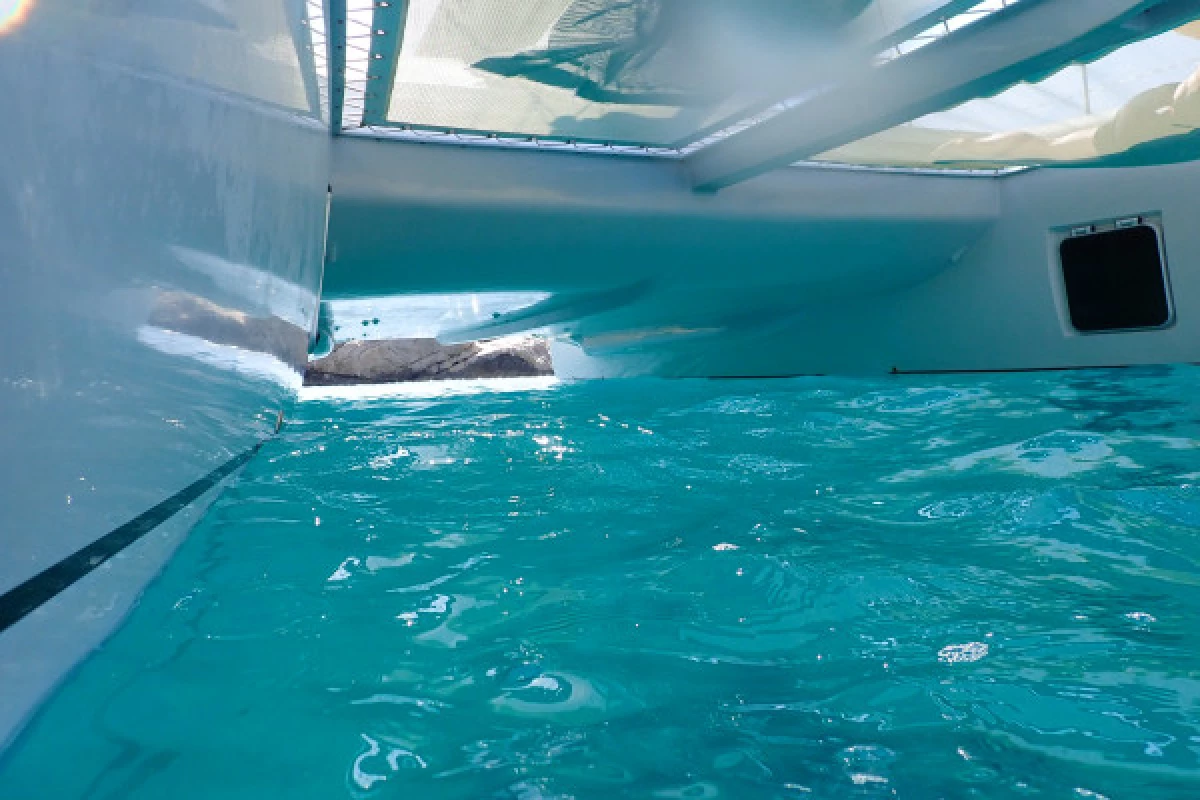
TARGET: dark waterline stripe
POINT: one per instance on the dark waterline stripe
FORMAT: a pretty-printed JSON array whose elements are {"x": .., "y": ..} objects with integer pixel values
[{"x": 20, "y": 601}]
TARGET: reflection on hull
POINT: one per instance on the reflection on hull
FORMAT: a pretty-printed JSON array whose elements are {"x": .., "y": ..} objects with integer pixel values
[{"x": 149, "y": 148}]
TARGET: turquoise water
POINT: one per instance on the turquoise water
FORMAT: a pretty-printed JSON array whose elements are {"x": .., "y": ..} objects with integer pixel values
[{"x": 919, "y": 588}]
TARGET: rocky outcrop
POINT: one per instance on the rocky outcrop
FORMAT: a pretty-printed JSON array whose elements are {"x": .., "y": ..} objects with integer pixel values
[{"x": 397, "y": 360}]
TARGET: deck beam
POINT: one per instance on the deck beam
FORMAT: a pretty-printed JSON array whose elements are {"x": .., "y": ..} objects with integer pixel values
[{"x": 1030, "y": 38}]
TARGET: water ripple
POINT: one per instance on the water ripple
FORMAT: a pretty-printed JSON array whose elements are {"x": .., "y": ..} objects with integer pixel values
[{"x": 983, "y": 587}]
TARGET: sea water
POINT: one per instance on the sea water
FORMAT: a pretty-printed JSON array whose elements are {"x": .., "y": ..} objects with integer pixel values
[{"x": 909, "y": 587}]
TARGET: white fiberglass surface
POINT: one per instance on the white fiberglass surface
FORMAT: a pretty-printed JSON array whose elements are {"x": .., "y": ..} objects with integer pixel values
[
  {"x": 256, "y": 50},
  {"x": 1142, "y": 93},
  {"x": 651, "y": 72},
  {"x": 423, "y": 316}
]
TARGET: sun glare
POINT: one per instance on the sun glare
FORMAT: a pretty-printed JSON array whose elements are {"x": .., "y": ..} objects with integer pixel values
[{"x": 13, "y": 13}]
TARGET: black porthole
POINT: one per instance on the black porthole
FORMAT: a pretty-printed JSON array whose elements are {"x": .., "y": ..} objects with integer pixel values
[{"x": 1115, "y": 280}]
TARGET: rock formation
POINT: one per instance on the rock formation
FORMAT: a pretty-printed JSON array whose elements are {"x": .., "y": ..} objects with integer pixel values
[{"x": 396, "y": 360}]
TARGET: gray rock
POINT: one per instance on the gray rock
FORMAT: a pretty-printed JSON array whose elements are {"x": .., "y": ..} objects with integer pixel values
[{"x": 398, "y": 360}]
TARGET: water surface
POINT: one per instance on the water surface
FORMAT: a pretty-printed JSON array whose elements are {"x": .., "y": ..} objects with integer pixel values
[{"x": 921, "y": 588}]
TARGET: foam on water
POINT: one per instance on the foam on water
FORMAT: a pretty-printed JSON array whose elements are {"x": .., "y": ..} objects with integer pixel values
[{"x": 981, "y": 587}]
